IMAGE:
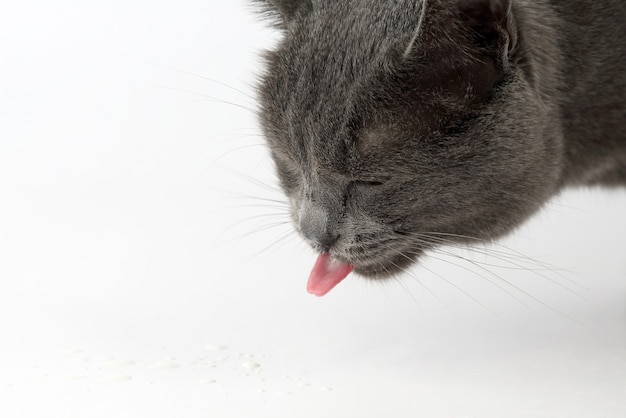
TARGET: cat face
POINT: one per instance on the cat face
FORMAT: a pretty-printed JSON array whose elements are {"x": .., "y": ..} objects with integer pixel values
[{"x": 395, "y": 128}]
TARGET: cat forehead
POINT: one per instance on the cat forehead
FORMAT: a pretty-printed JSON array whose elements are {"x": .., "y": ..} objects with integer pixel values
[
  {"x": 360, "y": 27},
  {"x": 340, "y": 76},
  {"x": 342, "y": 47},
  {"x": 369, "y": 12}
]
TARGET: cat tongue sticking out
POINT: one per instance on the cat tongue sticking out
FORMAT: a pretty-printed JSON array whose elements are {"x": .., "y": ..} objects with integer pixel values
[{"x": 326, "y": 274}]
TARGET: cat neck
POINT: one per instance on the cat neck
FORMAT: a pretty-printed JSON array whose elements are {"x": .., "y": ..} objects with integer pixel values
[{"x": 593, "y": 111}]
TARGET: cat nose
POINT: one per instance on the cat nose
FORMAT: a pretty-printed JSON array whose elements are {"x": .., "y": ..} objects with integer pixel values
[
  {"x": 316, "y": 227},
  {"x": 325, "y": 241}
]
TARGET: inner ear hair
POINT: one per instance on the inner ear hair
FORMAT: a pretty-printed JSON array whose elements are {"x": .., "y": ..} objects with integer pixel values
[
  {"x": 286, "y": 10},
  {"x": 492, "y": 22}
]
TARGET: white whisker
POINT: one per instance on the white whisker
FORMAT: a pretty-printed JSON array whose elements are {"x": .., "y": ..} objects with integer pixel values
[
  {"x": 514, "y": 258},
  {"x": 418, "y": 31},
  {"x": 208, "y": 79},
  {"x": 212, "y": 99}
]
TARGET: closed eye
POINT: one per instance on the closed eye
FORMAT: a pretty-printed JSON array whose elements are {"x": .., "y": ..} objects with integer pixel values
[{"x": 371, "y": 182}]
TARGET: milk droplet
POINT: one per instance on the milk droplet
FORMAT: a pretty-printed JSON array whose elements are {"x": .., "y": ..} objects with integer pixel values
[
  {"x": 326, "y": 389},
  {"x": 250, "y": 365},
  {"x": 216, "y": 347},
  {"x": 164, "y": 365}
]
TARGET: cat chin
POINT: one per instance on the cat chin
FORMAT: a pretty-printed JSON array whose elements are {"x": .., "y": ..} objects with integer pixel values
[{"x": 385, "y": 268}]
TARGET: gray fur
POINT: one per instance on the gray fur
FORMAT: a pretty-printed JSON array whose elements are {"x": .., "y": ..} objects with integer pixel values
[{"x": 391, "y": 129}]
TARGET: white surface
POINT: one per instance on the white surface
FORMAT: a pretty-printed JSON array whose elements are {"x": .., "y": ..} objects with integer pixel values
[{"x": 133, "y": 284}]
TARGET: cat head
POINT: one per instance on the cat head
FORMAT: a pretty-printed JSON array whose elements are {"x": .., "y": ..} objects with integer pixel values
[{"x": 397, "y": 126}]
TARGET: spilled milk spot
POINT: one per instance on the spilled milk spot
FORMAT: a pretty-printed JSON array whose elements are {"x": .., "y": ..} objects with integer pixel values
[
  {"x": 118, "y": 378},
  {"x": 165, "y": 365},
  {"x": 216, "y": 347},
  {"x": 250, "y": 365}
]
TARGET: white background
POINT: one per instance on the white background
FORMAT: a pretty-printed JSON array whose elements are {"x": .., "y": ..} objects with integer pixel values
[{"x": 143, "y": 274}]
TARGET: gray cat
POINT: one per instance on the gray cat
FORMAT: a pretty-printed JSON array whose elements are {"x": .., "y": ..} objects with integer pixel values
[{"x": 400, "y": 125}]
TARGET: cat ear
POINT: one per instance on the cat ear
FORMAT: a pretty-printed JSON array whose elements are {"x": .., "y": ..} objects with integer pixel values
[
  {"x": 282, "y": 10},
  {"x": 288, "y": 8},
  {"x": 492, "y": 23}
]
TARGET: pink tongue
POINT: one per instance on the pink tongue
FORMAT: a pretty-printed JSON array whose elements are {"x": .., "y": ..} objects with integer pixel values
[{"x": 326, "y": 274}]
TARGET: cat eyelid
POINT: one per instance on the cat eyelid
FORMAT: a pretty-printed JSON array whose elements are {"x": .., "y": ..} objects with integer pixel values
[{"x": 370, "y": 182}]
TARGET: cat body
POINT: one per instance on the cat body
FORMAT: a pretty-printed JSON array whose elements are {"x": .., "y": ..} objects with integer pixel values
[{"x": 398, "y": 126}]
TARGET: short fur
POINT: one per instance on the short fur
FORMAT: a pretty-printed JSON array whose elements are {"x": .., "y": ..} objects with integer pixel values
[{"x": 392, "y": 123}]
